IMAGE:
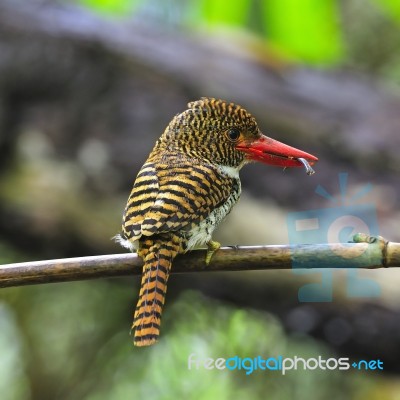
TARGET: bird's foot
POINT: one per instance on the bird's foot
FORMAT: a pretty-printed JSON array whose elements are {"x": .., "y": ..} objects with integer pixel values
[{"x": 212, "y": 248}]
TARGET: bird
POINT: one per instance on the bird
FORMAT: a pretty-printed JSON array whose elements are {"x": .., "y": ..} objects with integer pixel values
[{"x": 186, "y": 188}]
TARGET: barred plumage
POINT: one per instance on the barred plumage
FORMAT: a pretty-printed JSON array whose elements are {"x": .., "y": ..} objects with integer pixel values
[{"x": 187, "y": 186}]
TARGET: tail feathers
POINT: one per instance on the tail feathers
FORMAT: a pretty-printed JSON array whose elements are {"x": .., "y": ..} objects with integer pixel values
[{"x": 158, "y": 258}]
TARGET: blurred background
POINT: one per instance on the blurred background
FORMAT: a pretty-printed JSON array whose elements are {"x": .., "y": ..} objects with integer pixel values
[{"x": 87, "y": 86}]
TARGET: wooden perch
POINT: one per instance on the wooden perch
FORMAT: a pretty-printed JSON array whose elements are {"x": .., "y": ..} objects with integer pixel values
[{"x": 364, "y": 252}]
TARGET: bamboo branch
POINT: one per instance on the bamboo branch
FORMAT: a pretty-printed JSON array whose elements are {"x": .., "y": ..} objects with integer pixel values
[{"x": 364, "y": 252}]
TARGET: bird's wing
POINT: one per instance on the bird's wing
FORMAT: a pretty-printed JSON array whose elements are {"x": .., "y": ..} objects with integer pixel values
[
  {"x": 143, "y": 196},
  {"x": 169, "y": 197}
]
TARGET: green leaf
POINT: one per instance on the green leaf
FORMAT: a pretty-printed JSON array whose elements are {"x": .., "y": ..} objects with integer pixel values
[{"x": 305, "y": 29}]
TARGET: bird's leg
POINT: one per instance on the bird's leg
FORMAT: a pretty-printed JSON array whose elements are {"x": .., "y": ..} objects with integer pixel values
[{"x": 212, "y": 248}]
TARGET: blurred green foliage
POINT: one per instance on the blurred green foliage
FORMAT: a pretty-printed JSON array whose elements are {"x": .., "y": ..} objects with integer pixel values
[
  {"x": 111, "y": 7},
  {"x": 392, "y": 7},
  {"x": 217, "y": 12},
  {"x": 304, "y": 31},
  {"x": 56, "y": 333}
]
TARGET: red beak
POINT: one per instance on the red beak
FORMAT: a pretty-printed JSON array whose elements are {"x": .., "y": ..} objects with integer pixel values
[{"x": 272, "y": 152}]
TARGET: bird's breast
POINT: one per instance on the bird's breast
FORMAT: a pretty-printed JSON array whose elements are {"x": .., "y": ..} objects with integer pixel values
[{"x": 199, "y": 234}]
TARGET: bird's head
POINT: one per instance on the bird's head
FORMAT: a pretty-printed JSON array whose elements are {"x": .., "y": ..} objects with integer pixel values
[{"x": 226, "y": 134}]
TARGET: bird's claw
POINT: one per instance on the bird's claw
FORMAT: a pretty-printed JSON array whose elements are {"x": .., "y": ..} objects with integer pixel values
[{"x": 212, "y": 248}]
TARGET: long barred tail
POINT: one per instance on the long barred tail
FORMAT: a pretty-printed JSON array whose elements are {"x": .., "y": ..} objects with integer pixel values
[{"x": 157, "y": 257}]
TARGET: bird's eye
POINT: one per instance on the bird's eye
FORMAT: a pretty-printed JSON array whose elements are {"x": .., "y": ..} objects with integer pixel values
[{"x": 233, "y": 134}]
